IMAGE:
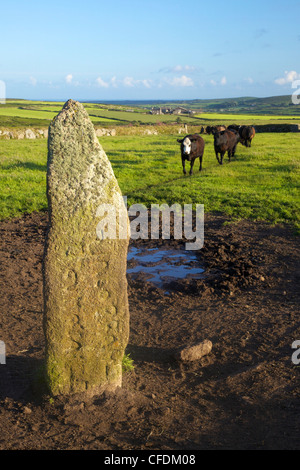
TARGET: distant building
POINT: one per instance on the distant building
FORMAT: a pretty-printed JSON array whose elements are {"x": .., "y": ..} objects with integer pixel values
[
  {"x": 178, "y": 110},
  {"x": 181, "y": 110},
  {"x": 156, "y": 111}
]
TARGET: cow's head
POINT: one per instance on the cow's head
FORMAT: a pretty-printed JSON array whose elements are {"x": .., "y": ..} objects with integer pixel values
[
  {"x": 186, "y": 144},
  {"x": 219, "y": 137}
]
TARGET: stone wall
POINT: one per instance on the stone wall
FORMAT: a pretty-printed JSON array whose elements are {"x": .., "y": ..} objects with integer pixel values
[
  {"x": 20, "y": 134},
  {"x": 277, "y": 128},
  {"x": 6, "y": 134}
]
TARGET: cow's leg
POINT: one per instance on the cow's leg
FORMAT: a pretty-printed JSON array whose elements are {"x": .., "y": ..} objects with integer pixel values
[
  {"x": 183, "y": 166},
  {"x": 222, "y": 156},
  {"x": 192, "y": 165},
  {"x": 217, "y": 155},
  {"x": 229, "y": 155},
  {"x": 201, "y": 158}
]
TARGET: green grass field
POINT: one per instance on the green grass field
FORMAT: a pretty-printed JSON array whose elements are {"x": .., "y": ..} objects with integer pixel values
[
  {"x": 40, "y": 113},
  {"x": 262, "y": 183},
  {"x": 246, "y": 117}
]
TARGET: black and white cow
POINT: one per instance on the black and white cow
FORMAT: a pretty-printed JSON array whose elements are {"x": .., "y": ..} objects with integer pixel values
[{"x": 192, "y": 147}]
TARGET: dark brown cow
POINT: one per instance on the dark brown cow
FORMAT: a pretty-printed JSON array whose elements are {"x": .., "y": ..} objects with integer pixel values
[
  {"x": 214, "y": 129},
  {"x": 192, "y": 147},
  {"x": 225, "y": 141},
  {"x": 234, "y": 127},
  {"x": 247, "y": 134}
]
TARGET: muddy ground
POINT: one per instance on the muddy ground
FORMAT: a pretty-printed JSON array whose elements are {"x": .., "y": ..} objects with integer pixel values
[{"x": 243, "y": 395}]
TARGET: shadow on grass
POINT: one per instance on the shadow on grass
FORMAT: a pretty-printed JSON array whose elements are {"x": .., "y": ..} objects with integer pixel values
[
  {"x": 161, "y": 183},
  {"x": 120, "y": 164},
  {"x": 26, "y": 166}
]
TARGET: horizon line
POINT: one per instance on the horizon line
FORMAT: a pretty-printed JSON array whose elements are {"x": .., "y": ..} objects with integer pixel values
[{"x": 57, "y": 100}]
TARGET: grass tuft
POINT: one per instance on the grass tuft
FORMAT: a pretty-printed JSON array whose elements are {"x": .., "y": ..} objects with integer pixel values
[{"x": 127, "y": 363}]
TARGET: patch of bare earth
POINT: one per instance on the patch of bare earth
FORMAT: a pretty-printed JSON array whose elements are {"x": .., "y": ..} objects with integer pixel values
[{"x": 243, "y": 395}]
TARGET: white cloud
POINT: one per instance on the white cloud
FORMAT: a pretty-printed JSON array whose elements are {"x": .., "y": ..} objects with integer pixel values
[
  {"x": 289, "y": 77},
  {"x": 69, "y": 78},
  {"x": 113, "y": 82},
  {"x": 178, "y": 69},
  {"x": 131, "y": 82},
  {"x": 102, "y": 83},
  {"x": 33, "y": 81},
  {"x": 182, "y": 68},
  {"x": 182, "y": 81},
  {"x": 222, "y": 82},
  {"x": 147, "y": 83},
  {"x": 249, "y": 80}
]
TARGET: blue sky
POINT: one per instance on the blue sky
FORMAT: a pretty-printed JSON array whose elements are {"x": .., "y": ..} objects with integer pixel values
[{"x": 149, "y": 49}]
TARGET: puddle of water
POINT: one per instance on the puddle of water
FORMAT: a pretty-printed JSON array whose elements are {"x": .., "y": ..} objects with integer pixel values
[{"x": 164, "y": 265}]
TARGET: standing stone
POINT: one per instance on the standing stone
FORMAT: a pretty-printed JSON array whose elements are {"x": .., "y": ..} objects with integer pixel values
[{"x": 86, "y": 316}]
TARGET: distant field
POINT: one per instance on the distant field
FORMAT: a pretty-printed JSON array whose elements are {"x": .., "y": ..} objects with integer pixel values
[
  {"x": 98, "y": 113},
  {"x": 246, "y": 117},
  {"x": 262, "y": 183},
  {"x": 40, "y": 113},
  {"x": 21, "y": 113},
  {"x": 26, "y": 113},
  {"x": 273, "y": 105}
]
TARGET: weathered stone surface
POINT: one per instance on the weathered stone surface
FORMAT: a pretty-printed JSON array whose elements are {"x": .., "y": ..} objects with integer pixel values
[
  {"x": 100, "y": 132},
  {"x": 196, "y": 352},
  {"x": 5, "y": 135},
  {"x": 150, "y": 132},
  {"x": 107, "y": 132},
  {"x": 86, "y": 319},
  {"x": 29, "y": 134}
]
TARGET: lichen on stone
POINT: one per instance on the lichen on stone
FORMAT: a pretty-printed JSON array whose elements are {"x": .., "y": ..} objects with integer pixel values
[{"x": 85, "y": 287}]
